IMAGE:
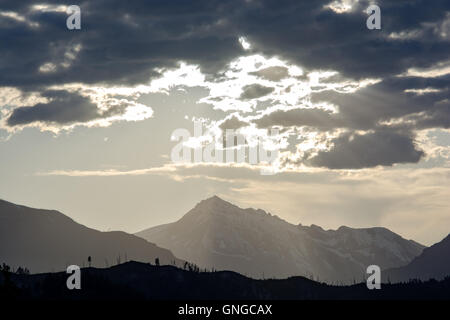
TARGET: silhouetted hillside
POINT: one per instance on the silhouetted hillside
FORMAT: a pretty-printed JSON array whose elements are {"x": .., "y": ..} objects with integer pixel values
[
  {"x": 47, "y": 240},
  {"x": 433, "y": 263},
  {"x": 132, "y": 280}
]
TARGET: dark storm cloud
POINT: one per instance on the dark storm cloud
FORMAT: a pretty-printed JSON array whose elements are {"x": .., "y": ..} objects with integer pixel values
[
  {"x": 437, "y": 117},
  {"x": 369, "y": 106},
  {"x": 125, "y": 42},
  {"x": 387, "y": 100},
  {"x": 64, "y": 108},
  {"x": 318, "y": 38},
  {"x": 253, "y": 91},
  {"x": 354, "y": 151},
  {"x": 371, "y": 109},
  {"x": 120, "y": 42}
]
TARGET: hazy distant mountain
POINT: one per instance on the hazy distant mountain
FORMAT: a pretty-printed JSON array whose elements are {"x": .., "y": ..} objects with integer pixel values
[
  {"x": 252, "y": 242},
  {"x": 46, "y": 240},
  {"x": 433, "y": 263}
]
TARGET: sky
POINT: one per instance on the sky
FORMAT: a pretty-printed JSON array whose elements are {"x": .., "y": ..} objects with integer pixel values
[{"x": 357, "y": 120}]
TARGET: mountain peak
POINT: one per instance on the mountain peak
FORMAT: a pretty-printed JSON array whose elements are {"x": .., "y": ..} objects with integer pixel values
[
  {"x": 209, "y": 206},
  {"x": 219, "y": 234},
  {"x": 214, "y": 201},
  {"x": 214, "y": 198}
]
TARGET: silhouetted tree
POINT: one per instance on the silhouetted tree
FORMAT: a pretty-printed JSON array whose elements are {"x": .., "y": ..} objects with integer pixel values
[
  {"x": 157, "y": 261},
  {"x": 89, "y": 261},
  {"x": 21, "y": 270},
  {"x": 5, "y": 268}
]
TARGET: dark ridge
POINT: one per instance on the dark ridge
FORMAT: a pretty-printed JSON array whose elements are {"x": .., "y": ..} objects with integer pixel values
[{"x": 133, "y": 280}]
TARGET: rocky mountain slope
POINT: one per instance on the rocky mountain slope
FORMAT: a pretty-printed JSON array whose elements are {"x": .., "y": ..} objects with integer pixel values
[{"x": 217, "y": 234}]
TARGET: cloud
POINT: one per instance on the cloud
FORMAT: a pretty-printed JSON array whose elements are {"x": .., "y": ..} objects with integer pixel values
[
  {"x": 124, "y": 43},
  {"x": 310, "y": 34},
  {"x": 437, "y": 117},
  {"x": 179, "y": 171},
  {"x": 166, "y": 169},
  {"x": 119, "y": 44},
  {"x": 232, "y": 123},
  {"x": 275, "y": 73},
  {"x": 312, "y": 117},
  {"x": 391, "y": 101},
  {"x": 317, "y": 66},
  {"x": 63, "y": 108},
  {"x": 316, "y": 108},
  {"x": 254, "y": 91},
  {"x": 357, "y": 151}
]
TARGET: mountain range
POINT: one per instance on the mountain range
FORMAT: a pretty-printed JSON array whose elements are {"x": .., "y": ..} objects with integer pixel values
[
  {"x": 217, "y": 234},
  {"x": 47, "y": 240}
]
